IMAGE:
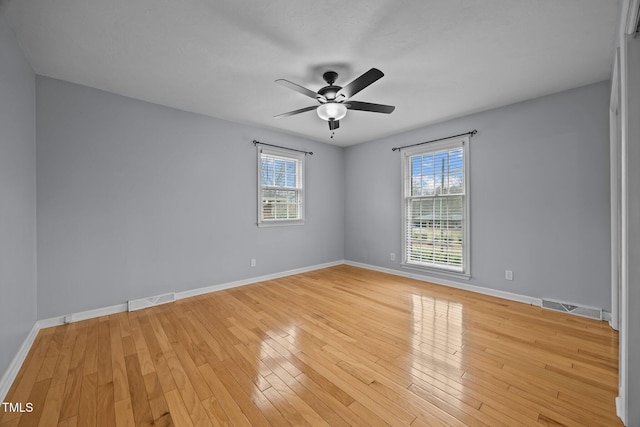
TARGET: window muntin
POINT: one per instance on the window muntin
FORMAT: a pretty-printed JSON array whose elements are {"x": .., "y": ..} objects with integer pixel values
[
  {"x": 280, "y": 187},
  {"x": 435, "y": 206}
]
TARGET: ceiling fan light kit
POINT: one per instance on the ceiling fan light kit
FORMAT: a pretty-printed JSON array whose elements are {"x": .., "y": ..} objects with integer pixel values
[
  {"x": 332, "y": 98},
  {"x": 331, "y": 111}
]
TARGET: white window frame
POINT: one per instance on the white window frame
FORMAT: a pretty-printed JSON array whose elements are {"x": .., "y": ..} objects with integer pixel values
[
  {"x": 299, "y": 158},
  {"x": 406, "y": 154}
]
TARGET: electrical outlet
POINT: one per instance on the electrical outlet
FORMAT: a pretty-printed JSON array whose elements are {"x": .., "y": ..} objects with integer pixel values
[
  {"x": 392, "y": 256},
  {"x": 508, "y": 275},
  {"x": 253, "y": 262}
]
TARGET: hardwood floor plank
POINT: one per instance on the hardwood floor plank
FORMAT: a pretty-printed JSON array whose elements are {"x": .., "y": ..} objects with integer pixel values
[
  {"x": 157, "y": 402},
  {"x": 338, "y": 346},
  {"x": 105, "y": 369},
  {"x": 225, "y": 399},
  {"x": 287, "y": 410},
  {"x": 189, "y": 395},
  {"x": 138, "y": 392},
  {"x": 367, "y": 416},
  {"x": 179, "y": 412},
  {"x": 105, "y": 405},
  {"x": 342, "y": 410},
  {"x": 10, "y": 422},
  {"x": 569, "y": 413},
  {"x": 69, "y": 422},
  {"x": 469, "y": 415},
  {"x": 87, "y": 407},
  {"x": 51, "y": 358},
  {"x": 64, "y": 356},
  {"x": 380, "y": 405},
  {"x": 297, "y": 401},
  {"x": 52, "y": 405},
  {"x": 411, "y": 402},
  {"x": 161, "y": 412},
  {"x": 71, "y": 398},
  {"x": 144, "y": 342},
  {"x": 216, "y": 413},
  {"x": 323, "y": 383},
  {"x": 161, "y": 335},
  {"x": 238, "y": 385},
  {"x": 510, "y": 418},
  {"x": 91, "y": 354},
  {"x": 120, "y": 379},
  {"x": 124, "y": 413},
  {"x": 190, "y": 369},
  {"x": 191, "y": 342},
  {"x": 37, "y": 399}
]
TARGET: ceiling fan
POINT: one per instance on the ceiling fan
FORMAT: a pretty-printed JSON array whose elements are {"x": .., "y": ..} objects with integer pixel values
[{"x": 335, "y": 100}]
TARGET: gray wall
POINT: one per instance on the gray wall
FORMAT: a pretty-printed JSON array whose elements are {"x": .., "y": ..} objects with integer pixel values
[
  {"x": 136, "y": 199},
  {"x": 539, "y": 196},
  {"x": 17, "y": 197}
]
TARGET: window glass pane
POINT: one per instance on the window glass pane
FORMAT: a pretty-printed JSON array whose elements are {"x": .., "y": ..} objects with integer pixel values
[
  {"x": 280, "y": 204},
  {"x": 456, "y": 172},
  {"x": 422, "y": 175},
  {"x": 279, "y": 172},
  {"x": 435, "y": 231},
  {"x": 440, "y": 171},
  {"x": 266, "y": 179},
  {"x": 291, "y": 174}
]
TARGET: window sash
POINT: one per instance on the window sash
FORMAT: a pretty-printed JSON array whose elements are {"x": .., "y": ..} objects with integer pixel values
[
  {"x": 435, "y": 206},
  {"x": 280, "y": 187}
]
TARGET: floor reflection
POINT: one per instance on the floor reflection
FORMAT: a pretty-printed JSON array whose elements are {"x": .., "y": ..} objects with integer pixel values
[
  {"x": 436, "y": 342},
  {"x": 437, "y": 326}
]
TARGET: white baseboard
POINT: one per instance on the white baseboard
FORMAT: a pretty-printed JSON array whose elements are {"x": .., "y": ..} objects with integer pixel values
[
  {"x": 14, "y": 367},
  {"x": 464, "y": 286},
  {"x": 620, "y": 409},
  {"x": 82, "y": 315},
  {"x": 208, "y": 289}
]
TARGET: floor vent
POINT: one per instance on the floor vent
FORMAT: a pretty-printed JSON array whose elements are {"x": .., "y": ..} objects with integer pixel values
[
  {"x": 138, "y": 304},
  {"x": 593, "y": 313}
]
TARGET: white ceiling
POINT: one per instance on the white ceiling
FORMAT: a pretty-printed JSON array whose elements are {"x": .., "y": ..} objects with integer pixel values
[{"x": 441, "y": 58}]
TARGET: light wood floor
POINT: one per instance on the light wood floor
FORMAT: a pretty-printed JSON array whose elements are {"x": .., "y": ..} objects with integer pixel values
[{"x": 339, "y": 346}]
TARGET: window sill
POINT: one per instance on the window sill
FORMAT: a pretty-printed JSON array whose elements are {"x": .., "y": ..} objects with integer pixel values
[
  {"x": 437, "y": 271},
  {"x": 280, "y": 223}
]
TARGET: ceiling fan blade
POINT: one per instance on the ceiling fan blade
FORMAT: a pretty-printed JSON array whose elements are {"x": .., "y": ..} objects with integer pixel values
[
  {"x": 334, "y": 124},
  {"x": 291, "y": 113},
  {"x": 360, "y": 83},
  {"x": 367, "y": 106},
  {"x": 300, "y": 89}
]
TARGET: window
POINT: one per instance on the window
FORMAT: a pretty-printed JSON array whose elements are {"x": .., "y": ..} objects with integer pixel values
[
  {"x": 436, "y": 206},
  {"x": 280, "y": 187}
]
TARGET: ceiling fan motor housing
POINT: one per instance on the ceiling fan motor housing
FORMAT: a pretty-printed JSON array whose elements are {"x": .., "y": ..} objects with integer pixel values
[{"x": 328, "y": 93}]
